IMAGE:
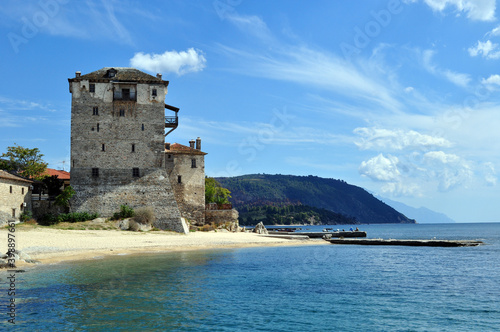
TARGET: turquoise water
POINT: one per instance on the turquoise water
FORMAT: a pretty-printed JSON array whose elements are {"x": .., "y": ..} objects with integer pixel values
[{"x": 311, "y": 288}]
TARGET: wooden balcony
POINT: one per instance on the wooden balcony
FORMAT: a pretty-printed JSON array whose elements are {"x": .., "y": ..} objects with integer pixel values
[{"x": 171, "y": 121}]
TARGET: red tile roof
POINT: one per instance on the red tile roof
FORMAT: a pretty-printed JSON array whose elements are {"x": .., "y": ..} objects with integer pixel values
[
  {"x": 177, "y": 148},
  {"x": 61, "y": 175}
]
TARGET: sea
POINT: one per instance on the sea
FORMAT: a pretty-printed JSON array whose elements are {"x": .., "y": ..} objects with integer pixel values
[{"x": 302, "y": 288}]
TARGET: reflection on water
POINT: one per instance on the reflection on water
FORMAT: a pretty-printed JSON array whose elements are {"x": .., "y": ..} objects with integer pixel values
[{"x": 348, "y": 288}]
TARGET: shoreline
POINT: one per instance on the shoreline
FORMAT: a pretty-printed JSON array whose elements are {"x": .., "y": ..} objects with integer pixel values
[{"x": 53, "y": 246}]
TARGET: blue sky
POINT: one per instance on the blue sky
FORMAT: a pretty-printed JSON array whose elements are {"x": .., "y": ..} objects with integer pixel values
[{"x": 398, "y": 97}]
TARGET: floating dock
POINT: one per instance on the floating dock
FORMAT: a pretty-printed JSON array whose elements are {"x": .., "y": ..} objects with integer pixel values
[
  {"x": 413, "y": 243},
  {"x": 321, "y": 234}
]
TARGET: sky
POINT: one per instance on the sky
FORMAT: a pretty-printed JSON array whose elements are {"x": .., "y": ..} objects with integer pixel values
[{"x": 398, "y": 97}]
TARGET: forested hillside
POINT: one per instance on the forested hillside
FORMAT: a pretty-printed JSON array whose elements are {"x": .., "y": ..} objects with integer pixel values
[{"x": 275, "y": 199}]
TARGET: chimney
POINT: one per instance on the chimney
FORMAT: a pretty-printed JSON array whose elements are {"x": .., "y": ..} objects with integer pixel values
[
  {"x": 78, "y": 73},
  {"x": 198, "y": 143},
  {"x": 158, "y": 76},
  {"x": 191, "y": 144}
]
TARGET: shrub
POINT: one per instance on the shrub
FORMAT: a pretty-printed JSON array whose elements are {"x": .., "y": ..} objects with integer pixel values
[
  {"x": 51, "y": 219},
  {"x": 26, "y": 215},
  {"x": 48, "y": 220},
  {"x": 133, "y": 226},
  {"x": 125, "y": 212},
  {"x": 144, "y": 216}
]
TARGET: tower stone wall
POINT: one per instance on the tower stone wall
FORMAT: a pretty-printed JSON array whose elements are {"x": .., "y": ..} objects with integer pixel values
[
  {"x": 186, "y": 168},
  {"x": 117, "y": 144}
]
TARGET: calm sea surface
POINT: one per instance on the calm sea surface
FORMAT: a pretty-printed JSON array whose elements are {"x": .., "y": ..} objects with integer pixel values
[{"x": 311, "y": 288}]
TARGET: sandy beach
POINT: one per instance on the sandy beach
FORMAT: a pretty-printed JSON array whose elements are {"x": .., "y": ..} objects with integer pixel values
[{"x": 56, "y": 245}]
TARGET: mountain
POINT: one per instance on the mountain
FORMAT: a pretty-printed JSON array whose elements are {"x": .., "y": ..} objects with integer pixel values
[
  {"x": 348, "y": 201},
  {"x": 422, "y": 215}
]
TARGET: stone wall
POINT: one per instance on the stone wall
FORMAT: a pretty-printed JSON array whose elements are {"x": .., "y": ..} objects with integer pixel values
[
  {"x": 190, "y": 190},
  {"x": 11, "y": 203},
  {"x": 119, "y": 137},
  {"x": 150, "y": 190},
  {"x": 221, "y": 216}
]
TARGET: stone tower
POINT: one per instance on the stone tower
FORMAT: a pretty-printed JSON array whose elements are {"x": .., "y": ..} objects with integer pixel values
[
  {"x": 186, "y": 169},
  {"x": 117, "y": 144}
]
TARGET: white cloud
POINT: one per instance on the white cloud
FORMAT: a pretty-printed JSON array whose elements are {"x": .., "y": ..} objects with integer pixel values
[
  {"x": 490, "y": 174},
  {"x": 94, "y": 20},
  {"x": 250, "y": 24},
  {"x": 493, "y": 79},
  {"x": 170, "y": 62},
  {"x": 487, "y": 49},
  {"x": 449, "y": 169},
  {"x": 459, "y": 79},
  {"x": 381, "y": 168},
  {"x": 401, "y": 189},
  {"x": 386, "y": 139},
  {"x": 477, "y": 10},
  {"x": 494, "y": 32},
  {"x": 442, "y": 157}
]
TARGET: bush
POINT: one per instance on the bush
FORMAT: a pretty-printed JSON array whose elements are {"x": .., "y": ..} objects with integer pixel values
[
  {"x": 26, "y": 215},
  {"x": 48, "y": 220},
  {"x": 77, "y": 216},
  {"x": 144, "y": 216},
  {"x": 125, "y": 212},
  {"x": 133, "y": 226},
  {"x": 51, "y": 219}
]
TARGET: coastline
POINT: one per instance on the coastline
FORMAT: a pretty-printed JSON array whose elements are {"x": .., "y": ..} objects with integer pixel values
[{"x": 51, "y": 246}]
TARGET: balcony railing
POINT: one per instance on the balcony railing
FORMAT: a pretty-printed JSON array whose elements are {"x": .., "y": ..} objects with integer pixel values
[{"x": 171, "y": 121}]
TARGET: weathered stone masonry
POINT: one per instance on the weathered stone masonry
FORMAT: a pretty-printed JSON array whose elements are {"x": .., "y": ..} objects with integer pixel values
[
  {"x": 15, "y": 196},
  {"x": 186, "y": 168},
  {"x": 117, "y": 144}
]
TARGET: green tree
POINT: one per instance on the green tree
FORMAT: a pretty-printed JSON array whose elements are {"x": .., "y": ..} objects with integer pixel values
[
  {"x": 215, "y": 193},
  {"x": 24, "y": 161},
  {"x": 65, "y": 197}
]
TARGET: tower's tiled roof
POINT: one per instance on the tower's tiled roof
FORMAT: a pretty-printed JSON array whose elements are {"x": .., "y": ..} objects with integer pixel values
[
  {"x": 123, "y": 74},
  {"x": 177, "y": 148}
]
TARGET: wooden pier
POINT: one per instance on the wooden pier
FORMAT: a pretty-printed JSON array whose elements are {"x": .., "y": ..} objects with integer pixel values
[{"x": 413, "y": 243}]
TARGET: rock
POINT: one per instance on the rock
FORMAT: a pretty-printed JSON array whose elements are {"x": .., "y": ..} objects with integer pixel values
[
  {"x": 144, "y": 228},
  {"x": 123, "y": 224},
  {"x": 99, "y": 220},
  {"x": 260, "y": 229}
]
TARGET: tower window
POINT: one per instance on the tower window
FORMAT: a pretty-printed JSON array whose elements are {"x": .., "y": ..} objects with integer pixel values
[
  {"x": 179, "y": 179},
  {"x": 135, "y": 172},
  {"x": 153, "y": 93},
  {"x": 122, "y": 112},
  {"x": 103, "y": 147},
  {"x": 22, "y": 191},
  {"x": 95, "y": 111},
  {"x": 97, "y": 127},
  {"x": 143, "y": 127},
  {"x": 95, "y": 172},
  {"x": 133, "y": 147},
  {"x": 91, "y": 87},
  {"x": 193, "y": 163},
  {"x": 11, "y": 189}
]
